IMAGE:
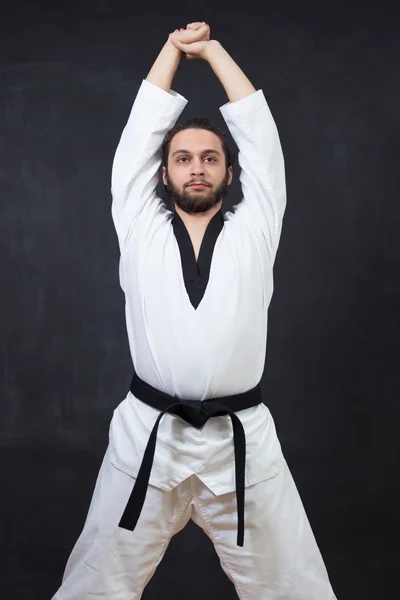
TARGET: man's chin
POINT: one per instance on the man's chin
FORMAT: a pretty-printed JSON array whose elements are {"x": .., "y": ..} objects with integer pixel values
[{"x": 192, "y": 209}]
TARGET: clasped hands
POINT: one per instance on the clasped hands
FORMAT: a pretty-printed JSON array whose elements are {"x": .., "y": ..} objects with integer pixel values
[{"x": 194, "y": 41}]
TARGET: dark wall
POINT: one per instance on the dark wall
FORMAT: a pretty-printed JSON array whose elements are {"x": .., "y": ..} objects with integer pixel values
[{"x": 68, "y": 77}]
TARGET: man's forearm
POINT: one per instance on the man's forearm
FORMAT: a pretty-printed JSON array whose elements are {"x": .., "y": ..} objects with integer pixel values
[
  {"x": 235, "y": 82},
  {"x": 163, "y": 70}
]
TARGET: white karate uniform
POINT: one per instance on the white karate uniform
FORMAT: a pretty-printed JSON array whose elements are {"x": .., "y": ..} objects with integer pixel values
[{"x": 212, "y": 350}]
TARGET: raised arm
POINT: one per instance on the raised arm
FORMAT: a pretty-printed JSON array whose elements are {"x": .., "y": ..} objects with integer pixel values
[
  {"x": 164, "y": 68},
  {"x": 235, "y": 82},
  {"x": 137, "y": 158},
  {"x": 253, "y": 128}
]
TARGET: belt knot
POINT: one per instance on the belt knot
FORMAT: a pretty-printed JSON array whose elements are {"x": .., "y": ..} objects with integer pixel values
[{"x": 193, "y": 412}]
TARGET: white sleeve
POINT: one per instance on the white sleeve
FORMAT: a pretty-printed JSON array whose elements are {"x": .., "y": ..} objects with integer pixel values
[
  {"x": 261, "y": 160},
  {"x": 138, "y": 156}
]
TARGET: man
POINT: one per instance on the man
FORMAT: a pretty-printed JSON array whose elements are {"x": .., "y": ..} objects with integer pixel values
[{"x": 193, "y": 439}]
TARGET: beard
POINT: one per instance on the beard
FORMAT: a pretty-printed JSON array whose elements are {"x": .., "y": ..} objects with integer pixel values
[{"x": 197, "y": 201}]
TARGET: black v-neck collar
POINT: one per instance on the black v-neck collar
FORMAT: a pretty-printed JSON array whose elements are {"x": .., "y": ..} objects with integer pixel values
[{"x": 197, "y": 273}]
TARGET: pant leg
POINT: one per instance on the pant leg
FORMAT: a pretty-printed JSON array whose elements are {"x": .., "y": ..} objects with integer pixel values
[
  {"x": 280, "y": 559},
  {"x": 114, "y": 563}
]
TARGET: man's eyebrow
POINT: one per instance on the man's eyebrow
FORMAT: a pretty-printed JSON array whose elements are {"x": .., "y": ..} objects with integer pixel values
[{"x": 207, "y": 151}]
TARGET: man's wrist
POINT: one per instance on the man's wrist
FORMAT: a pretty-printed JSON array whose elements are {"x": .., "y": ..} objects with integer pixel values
[
  {"x": 173, "y": 49},
  {"x": 213, "y": 46}
]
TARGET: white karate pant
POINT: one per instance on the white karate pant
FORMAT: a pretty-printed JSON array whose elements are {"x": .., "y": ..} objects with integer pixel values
[{"x": 280, "y": 559}]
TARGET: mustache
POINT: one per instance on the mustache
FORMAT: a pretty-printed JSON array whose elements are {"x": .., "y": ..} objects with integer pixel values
[{"x": 197, "y": 181}]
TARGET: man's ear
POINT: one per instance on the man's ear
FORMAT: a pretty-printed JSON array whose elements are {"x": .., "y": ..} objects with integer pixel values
[
  {"x": 164, "y": 175},
  {"x": 230, "y": 175}
]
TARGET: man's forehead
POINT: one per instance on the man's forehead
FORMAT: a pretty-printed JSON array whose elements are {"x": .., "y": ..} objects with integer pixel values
[{"x": 196, "y": 138}]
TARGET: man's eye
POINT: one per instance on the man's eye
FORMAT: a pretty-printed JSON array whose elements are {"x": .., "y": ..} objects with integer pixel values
[{"x": 207, "y": 157}]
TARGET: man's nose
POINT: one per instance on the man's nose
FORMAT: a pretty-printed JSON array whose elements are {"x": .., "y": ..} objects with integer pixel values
[{"x": 198, "y": 167}]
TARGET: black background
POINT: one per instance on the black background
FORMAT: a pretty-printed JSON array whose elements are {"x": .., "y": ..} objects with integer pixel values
[{"x": 68, "y": 77}]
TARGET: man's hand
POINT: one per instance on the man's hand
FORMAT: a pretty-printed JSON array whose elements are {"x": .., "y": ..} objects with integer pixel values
[
  {"x": 164, "y": 68},
  {"x": 192, "y": 41}
]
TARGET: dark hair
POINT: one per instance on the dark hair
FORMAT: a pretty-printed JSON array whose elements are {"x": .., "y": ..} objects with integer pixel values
[{"x": 197, "y": 123}]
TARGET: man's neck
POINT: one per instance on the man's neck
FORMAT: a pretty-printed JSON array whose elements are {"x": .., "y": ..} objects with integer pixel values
[{"x": 198, "y": 221}]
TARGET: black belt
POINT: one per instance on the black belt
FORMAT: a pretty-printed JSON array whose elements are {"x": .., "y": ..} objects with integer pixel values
[{"x": 196, "y": 413}]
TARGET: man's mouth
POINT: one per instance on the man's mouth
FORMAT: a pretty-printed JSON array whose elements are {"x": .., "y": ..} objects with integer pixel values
[{"x": 198, "y": 185}]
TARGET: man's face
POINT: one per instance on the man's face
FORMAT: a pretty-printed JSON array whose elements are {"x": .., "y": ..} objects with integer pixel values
[{"x": 196, "y": 155}]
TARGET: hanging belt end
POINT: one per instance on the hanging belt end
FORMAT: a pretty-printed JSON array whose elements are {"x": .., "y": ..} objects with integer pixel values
[
  {"x": 127, "y": 523},
  {"x": 240, "y": 539}
]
